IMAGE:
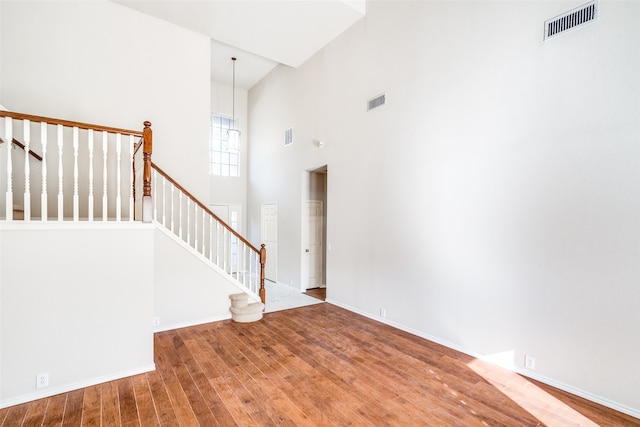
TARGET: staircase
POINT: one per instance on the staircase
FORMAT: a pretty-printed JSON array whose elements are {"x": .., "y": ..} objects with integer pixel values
[{"x": 78, "y": 173}]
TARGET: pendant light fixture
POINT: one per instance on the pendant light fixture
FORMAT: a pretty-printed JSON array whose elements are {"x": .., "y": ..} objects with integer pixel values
[{"x": 233, "y": 133}]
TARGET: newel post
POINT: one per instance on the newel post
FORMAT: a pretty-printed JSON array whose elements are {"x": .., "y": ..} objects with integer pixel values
[
  {"x": 263, "y": 261},
  {"x": 147, "y": 149}
]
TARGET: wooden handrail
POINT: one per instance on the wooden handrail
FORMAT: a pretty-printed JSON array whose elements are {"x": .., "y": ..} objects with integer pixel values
[
  {"x": 21, "y": 145},
  {"x": 262, "y": 252},
  {"x": 206, "y": 209},
  {"x": 80, "y": 125}
]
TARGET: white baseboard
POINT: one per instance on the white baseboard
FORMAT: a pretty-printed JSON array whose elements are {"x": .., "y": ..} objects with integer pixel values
[
  {"x": 75, "y": 386},
  {"x": 191, "y": 323},
  {"x": 565, "y": 387}
]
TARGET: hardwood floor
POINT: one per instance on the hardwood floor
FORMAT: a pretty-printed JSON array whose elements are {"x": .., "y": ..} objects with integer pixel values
[
  {"x": 315, "y": 365},
  {"x": 319, "y": 293}
]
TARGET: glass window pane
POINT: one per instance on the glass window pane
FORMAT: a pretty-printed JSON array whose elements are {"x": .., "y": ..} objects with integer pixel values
[{"x": 221, "y": 160}]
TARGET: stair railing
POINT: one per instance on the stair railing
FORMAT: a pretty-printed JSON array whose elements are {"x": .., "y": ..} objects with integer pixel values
[
  {"x": 195, "y": 224},
  {"x": 75, "y": 147}
]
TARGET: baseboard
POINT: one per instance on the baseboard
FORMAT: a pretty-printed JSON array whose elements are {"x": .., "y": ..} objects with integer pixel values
[
  {"x": 192, "y": 323},
  {"x": 553, "y": 383},
  {"x": 75, "y": 386}
]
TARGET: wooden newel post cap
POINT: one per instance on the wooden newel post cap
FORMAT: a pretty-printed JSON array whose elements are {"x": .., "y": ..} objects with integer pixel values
[{"x": 147, "y": 124}]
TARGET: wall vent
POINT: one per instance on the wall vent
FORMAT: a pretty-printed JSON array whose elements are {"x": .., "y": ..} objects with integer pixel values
[
  {"x": 376, "y": 102},
  {"x": 570, "y": 20},
  {"x": 288, "y": 137}
]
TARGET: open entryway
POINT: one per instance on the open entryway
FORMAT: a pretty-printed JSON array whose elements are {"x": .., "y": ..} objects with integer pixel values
[{"x": 314, "y": 233}]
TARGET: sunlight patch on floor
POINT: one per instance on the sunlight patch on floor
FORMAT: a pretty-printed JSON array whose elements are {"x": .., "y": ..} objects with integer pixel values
[{"x": 542, "y": 405}]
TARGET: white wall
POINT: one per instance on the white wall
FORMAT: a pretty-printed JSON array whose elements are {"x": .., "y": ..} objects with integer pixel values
[
  {"x": 188, "y": 290},
  {"x": 74, "y": 303},
  {"x": 492, "y": 204},
  {"x": 99, "y": 62}
]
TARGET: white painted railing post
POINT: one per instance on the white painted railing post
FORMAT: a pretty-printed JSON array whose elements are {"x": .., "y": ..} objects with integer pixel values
[
  {"x": 27, "y": 173},
  {"x": 164, "y": 200},
  {"x": 105, "y": 199},
  {"x": 90, "y": 197},
  {"x": 131, "y": 189},
  {"x": 8, "y": 132},
  {"x": 118, "y": 177},
  {"x": 44, "y": 197},
  {"x": 76, "y": 196},
  {"x": 60, "y": 175}
]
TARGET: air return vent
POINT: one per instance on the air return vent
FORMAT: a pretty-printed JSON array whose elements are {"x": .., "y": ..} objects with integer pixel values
[
  {"x": 570, "y": 20},
  {"x": 288, "y": 137},
  {"x": 376, "y": 102}
]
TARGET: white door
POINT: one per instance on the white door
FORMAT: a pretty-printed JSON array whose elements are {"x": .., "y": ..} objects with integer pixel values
[
  {"x": 269, "y": 235},
  {"x": 315, "y": 246}
]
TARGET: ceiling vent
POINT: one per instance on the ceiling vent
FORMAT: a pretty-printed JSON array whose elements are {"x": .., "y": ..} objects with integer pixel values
[
  {"x": 376, "y": 102},
  {"x": 570, "y": 20},
  {"x": 288, "y": 137}
]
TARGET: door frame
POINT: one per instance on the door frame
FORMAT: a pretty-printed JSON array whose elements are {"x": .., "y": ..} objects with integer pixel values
[{"x": 304, "y": 226}]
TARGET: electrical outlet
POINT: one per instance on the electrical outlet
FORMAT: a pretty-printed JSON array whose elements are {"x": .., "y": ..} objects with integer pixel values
[
  {"x": 530, "y": 362},
  {"x": 383, "y": 313},
  {"x": 42, "y": 380},
  {"x": 156, "y": 321}
]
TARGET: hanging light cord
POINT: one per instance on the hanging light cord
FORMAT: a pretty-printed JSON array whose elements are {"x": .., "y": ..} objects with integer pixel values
[{"x": 233, "y": 95}]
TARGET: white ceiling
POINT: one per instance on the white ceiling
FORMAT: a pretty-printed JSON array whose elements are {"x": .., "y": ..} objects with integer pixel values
[{"x": 260, "y": 33}]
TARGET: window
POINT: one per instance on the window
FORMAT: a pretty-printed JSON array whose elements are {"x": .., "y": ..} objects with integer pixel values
[{"x": 222, "y": 161}]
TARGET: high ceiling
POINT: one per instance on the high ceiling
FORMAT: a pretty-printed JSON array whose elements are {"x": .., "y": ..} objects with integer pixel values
[{"x": 260, "y": 33}]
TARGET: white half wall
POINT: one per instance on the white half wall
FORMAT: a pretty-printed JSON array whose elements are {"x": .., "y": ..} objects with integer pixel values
[
  {"x": 188, "y": 290},
  {"x": 75, "y": 303},
  {"x": 103, "y": 63},
  {"x": 493, "y": 202}
]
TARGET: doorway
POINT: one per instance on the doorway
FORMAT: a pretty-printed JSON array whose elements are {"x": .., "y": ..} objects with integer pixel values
[
  {"x": 314, "y": 236},
  {"x": 269, "y": 236}
]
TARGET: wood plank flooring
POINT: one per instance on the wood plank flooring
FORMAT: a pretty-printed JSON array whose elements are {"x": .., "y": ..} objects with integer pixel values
[
  {"x": 319, "y": 293},
  {"x": 315, "y": 365}
]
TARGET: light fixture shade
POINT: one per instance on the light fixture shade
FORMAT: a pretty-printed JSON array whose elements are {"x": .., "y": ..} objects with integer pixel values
[{"x": 234, "y": 140}]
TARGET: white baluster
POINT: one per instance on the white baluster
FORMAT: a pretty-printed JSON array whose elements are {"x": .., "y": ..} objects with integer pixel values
[
  {"x": 27, "y": 172},
  {"x": 195, "y": 226},
  {"x": 203, "y": 233},
  {"x": 154, "y": 189},
  {"x": 172, "y": 209},
  {"x": 60, "y": 176},
  {"x": 250, "y": 272},
  {"x": 131, "y": 190},
  {"x": 118, "y": 177},
  {"x": 244, "y": 258},
  {"x": 218, "y": 243},
  {"x": 210, "y": 238},
  {"x": 104, "y": 176},
  {"x": 90, "y": 198},
  {"x": 253, "y": 271},
  {"x": 180, "y": 216},
  {"x": 44, "y": 197},
  {"x": 231, "y": 253},
  {"x": 8, "y": 132},
  {"x": 224, "y": 249},
  {"x": 188, "y": 221},
  {"x": 164, "y": 202},
  {"x": 76, "y": 200}
]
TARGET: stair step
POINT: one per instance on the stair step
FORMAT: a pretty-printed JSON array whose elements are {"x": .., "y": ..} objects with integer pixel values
[
  {"x": 18, "y": 212},
  {"x": 250, "y": 313},
  {"x": 239, "y": 300}
]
